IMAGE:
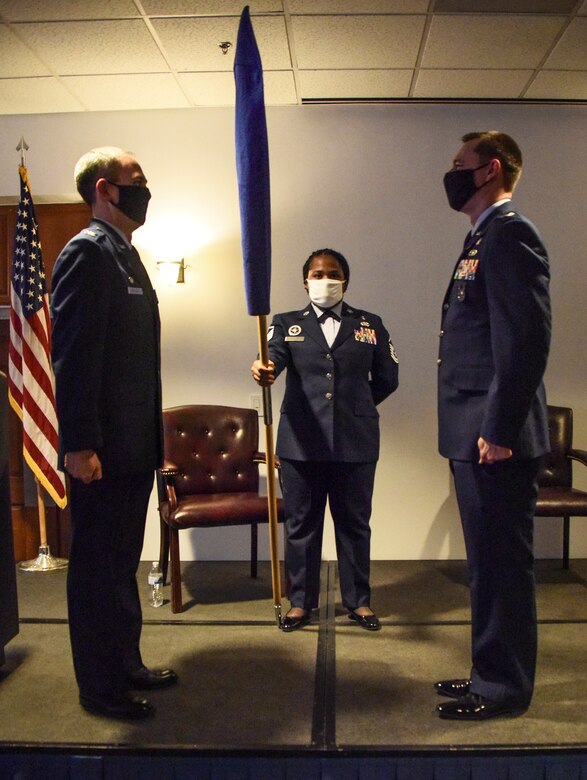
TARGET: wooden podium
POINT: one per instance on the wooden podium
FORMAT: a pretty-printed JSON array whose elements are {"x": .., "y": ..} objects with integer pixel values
[{"x": 8, "y": 599}]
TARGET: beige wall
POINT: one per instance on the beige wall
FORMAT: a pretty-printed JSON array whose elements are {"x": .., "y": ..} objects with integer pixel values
[{"x": 366, "y": 180}]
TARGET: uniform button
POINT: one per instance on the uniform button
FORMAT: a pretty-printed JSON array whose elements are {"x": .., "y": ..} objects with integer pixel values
[
  {"x": 328, "y": 356},
  {"x": 439, "y": 361},
  {"x": 329, "y": 375},
  {"x": 446, "y": 306},
  {"x": 441, "y": 334},
  {"x": 328, "y": 396}
]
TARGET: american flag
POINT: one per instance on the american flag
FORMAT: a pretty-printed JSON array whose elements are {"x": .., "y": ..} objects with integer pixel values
[{"x": 31, "y": 383}]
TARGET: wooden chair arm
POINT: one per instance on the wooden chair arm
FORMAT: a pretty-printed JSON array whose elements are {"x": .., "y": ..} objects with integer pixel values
[
  {"x": 579, "y": 455},
  {"x": 261, "y": 457},
  {"x": 168, "y": 471}
]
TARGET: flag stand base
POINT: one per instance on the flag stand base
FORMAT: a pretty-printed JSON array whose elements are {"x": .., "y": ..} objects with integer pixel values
[{"x": 43, "y": 562}]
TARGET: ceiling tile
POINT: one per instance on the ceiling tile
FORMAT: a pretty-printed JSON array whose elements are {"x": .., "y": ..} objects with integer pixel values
[
  {"x": 505, "y": 6},
  {"x": 489, "y": 41},
  {"x": 45, "y": 10},
  {"x": 340, "y": 84},
  {"x": 76, "y": 48},
  {"x": 209, "y": 89},
  {"x": 280, "y": 88},
  {"x": 560, "y": 84},
  {"x": 500, "y": 84},
  {"x": 358, "y": 6},
  {"x": 570, "y": 53},
  {"x": 127, "y": 92},
  {"x": 36, "y": 96},
  {"x": 217, "y": 89},
  {"x": 348, "y": 42},
  {"x": 16, "y": 59},
  {"x": 192, "y": 44},
  {"x": 209, "y": 7},
  {"x": 583, "y": 9}
]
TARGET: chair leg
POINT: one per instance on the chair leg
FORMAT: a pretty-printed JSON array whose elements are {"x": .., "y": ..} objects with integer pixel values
[
  {"x": 164, "y": 548},
  {"x": 254, "y": 549},
  {"x": 176, "y": 603},
  {"x": 566, "y": 535}
]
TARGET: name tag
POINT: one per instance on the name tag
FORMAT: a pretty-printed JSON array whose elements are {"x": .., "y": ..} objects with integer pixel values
[
  {"x": 295, "y": 338},
  {"x": 135, "y": 290}
]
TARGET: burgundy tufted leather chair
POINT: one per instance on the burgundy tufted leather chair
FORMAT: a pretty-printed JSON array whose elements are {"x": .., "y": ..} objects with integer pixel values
[
  {"x": 210, "y": 478},
  {"x": 556, "y": 495}
]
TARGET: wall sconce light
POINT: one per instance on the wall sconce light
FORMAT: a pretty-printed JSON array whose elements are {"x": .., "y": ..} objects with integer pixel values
[{"x": 172, "y": 271}]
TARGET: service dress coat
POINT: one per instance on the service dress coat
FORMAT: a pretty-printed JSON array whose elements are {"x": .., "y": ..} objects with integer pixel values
[
  {"x": 106, "y": 353},
  {"x": 494, "y": 342},
  {"x": 329, "y": 408}
]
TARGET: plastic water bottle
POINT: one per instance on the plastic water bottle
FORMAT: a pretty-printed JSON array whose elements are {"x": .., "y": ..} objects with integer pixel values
[{"x": 155, "y": 585}]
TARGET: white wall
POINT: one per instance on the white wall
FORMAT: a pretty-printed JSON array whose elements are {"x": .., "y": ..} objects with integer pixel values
[{"x": 366, "y": 180}]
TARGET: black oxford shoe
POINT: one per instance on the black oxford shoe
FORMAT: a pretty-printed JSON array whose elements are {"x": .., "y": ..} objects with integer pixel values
[
  {"x": 143, "y": 679},
  {"x": 475, "y": 707},
  {"x": 292, "y": 623},
  {"x": 368, "y": 622},
  {"x": 454, "y": 689},
  {"x": 125, "y": 707}
]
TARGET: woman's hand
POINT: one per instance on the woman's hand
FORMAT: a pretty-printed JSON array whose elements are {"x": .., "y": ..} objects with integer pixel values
[{"x": 263, "y": 375}]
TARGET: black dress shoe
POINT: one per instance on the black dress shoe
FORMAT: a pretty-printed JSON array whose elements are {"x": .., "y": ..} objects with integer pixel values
[
  {"x": 125, "y": 707},
  {"x": 143, "y": 679},
  {"x": 292, "y": 623},
  {"x": 368, "y": 622},
  {"x": 454, "y": 689},
  {"x": 475, "y": 707}
]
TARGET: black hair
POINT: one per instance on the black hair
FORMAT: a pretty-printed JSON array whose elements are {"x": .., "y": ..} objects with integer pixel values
[{"x": 340, "y": 259}]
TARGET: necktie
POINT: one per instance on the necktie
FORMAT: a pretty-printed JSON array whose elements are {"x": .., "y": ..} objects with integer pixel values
[
  {"x": 326, "y": 314},
  {"x": 467, "y": 242}
]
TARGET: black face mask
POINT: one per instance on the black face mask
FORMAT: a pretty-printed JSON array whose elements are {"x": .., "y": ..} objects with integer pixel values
[
  {"x": 133, "y": 201},
  {"x": 460, "y": 186}
]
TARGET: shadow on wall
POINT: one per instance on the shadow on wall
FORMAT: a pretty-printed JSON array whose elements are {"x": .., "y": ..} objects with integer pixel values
[{"x": 445, "y": 538}]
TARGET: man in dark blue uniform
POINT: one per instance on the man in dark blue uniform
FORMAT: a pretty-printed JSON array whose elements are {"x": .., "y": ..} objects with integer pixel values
[
  {"x": 494, "y": 343},
  {"x": 108, "y": 390},
  {"x": 340, "y": 364}
]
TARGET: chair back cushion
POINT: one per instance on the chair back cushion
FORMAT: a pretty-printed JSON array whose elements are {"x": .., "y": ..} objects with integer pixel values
[
  {"x": 556, "y": 467},
  {"x": 213, "y": 448}
]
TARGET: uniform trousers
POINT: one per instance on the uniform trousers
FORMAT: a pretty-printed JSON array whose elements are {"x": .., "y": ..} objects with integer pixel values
[
  {"x": 497, "y": 504},
  {"x": 349, "y": 489},
  {"x": 105, "y": 619}
]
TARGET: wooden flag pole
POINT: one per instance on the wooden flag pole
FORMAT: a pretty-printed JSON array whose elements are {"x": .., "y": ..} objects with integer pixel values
[
  {"x": 270, "y": 456},
  {"x": 44, "y": 560},
  {"x": 42, "y": 519}
]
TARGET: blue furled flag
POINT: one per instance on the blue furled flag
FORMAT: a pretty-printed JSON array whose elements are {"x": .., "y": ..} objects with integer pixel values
[{"x": 252, "y": 167}]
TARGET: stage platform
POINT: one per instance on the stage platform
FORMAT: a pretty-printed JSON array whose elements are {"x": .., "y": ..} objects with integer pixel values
[{"x": 329, "y": 701}]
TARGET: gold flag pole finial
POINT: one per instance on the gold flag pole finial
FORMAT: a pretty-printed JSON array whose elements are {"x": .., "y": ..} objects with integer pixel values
[{"x": 22, "y": 148}]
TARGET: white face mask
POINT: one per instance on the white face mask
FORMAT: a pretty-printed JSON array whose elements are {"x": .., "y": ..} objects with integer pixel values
[{"x": 325, "y": 293}]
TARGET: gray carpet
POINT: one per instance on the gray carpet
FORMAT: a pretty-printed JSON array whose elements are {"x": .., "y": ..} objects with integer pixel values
[{"x": 244, "y": 684}]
